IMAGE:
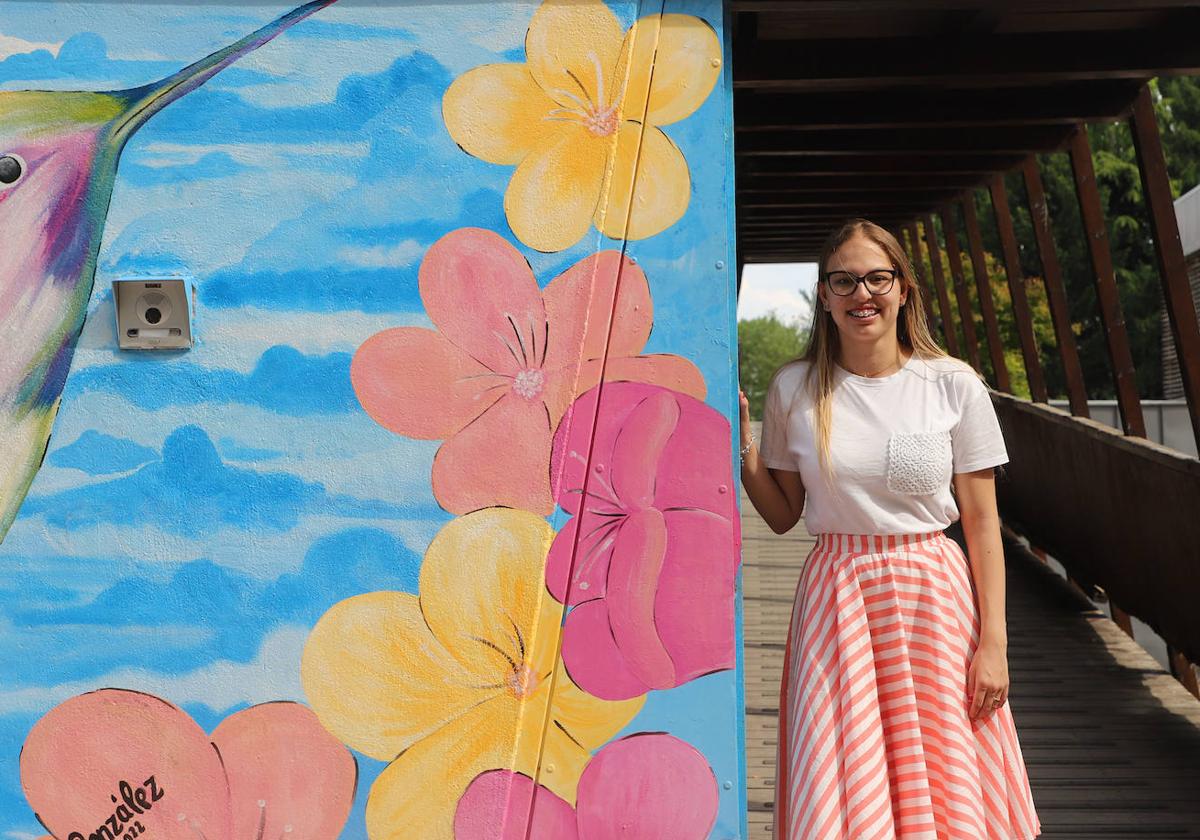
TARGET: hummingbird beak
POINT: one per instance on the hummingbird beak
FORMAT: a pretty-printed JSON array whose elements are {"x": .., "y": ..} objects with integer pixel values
[{"x": 148, "y": 100}]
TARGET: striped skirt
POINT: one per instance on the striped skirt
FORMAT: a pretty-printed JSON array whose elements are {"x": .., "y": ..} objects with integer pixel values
[{"x": 875, "y": 737}]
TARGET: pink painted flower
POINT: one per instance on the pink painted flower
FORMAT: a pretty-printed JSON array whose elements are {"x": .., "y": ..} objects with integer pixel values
[
  {"x": 648, "y": 561},
  {"x": 649, "y": 786},
  {"x": 504, "y": 363},
  {"x": 120, "y": 762}
]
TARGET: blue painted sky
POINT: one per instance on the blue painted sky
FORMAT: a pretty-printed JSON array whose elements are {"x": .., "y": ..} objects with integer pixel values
[{"x": 197, "y": 512}]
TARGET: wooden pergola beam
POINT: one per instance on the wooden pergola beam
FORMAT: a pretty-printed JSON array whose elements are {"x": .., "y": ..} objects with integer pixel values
[
  {"x": 961, "y": 296},
  {"x": 838, "y": 166},
  {"x": 797, "y": 205},
  {"x": 822, "y": 182},
  {"x": 808, "y": 220},
  {"x": 784, "y": 257},
  {"x": 936, "y": 140},
  {"x": 1016, "y": 290},
  {"x": 939, "y": 284},
  {"x": 850, "y": 206},
  {"x": 912, "y": 193},
  {"x": 1116, "y": 337},
  {"x": 875, "y": 6},
  {"x": 813, "y": 228},
  {"x": 1003, "y": 59},
  {"x": 912, "y": 244},
  {"x": 983, "y": 290},
  {"x": 802, "y": 110},
  {"x": 1056, "y": 295},
  {"x": 1168, "y": 250}
]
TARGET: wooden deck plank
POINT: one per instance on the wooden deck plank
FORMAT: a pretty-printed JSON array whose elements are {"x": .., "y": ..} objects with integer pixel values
[{"x": 1111, "y": 741}]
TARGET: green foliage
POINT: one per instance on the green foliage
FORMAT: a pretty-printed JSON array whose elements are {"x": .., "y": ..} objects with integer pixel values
[
  {"x": 1179, "y": 120},
  {"x": 764, "y": 345},
  {"x": 1177, "y": 102},
  {"x": 1035, "y": 292}
]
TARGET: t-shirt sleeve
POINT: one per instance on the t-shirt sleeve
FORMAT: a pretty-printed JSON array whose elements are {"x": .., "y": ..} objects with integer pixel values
[
  {"x": 976, "y": 438},
  {"x": 773, "y": 448}
]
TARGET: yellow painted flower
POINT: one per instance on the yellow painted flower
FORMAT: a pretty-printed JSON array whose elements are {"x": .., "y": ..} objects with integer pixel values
[
  {"x": 458, "y": 681},
  {"x": 582, "y": 114}
]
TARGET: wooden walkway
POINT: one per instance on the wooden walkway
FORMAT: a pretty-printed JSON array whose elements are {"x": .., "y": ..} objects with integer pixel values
[{"x": 1111, "y": 741}]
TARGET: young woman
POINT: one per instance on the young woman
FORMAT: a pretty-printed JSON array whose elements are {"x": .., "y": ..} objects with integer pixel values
[{"x": 892, "y": 721}]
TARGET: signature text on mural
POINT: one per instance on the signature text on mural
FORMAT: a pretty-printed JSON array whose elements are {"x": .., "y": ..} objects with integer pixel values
[{"x": 121, "y": 824}]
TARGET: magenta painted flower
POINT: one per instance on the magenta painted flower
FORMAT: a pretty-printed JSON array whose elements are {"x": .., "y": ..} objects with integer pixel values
[
  {"x": 649, "y": 786},
  {"x": 115, "y": 763},
  {"x": 649, "y": 559},
  {"x": 504, "y": 363}
]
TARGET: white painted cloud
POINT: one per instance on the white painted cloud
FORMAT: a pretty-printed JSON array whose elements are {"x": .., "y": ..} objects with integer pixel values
[
  {"x": 347, "y": 454},
  {"x": 266, "y": 155},
  {"x": 400, "y": 255},
  {"x": 307, "y": 71},
  {"x": 274, "y": 674},
  {"x": 500, "y": 33},
  {"x": 157, "y": 554},
  {"x": 238, "y": 337},
  {"x": 235, "y": 338},
  {"x": 11, "y": 45},
  {"x": 199, "y": 227}
]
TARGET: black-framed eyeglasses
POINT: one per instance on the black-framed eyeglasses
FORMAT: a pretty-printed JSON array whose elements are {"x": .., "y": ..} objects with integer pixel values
[{"x": 878, "y": 282}]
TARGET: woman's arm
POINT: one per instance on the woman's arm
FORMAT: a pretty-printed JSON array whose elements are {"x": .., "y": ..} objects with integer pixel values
[
  {"x": 777, "y": 495},
  {"x": 976, "y": 493}
]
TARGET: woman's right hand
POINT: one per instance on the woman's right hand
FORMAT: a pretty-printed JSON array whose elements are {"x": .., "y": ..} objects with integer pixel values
[
  {"x": 744, "y": 405},
  {"x": 777, "y": 495}
]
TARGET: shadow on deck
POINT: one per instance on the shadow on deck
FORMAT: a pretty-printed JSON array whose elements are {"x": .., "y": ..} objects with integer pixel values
[{"x": 1111, "y": 741}]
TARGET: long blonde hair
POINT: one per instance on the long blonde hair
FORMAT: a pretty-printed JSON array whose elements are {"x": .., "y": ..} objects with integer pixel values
[{"x": 912, "y": 330}]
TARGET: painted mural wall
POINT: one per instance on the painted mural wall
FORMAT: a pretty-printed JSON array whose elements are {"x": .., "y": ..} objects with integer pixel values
[{"x": 433, "y": 533}]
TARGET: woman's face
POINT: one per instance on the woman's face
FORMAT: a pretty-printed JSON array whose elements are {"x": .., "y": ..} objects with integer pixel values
[{"x": 861, "y": 316}]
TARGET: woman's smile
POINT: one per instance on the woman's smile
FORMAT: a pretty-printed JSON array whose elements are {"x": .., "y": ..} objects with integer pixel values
[{"x": 865, "y": 313}]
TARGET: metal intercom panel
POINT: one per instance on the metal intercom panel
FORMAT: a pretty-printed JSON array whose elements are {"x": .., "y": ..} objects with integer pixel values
[{"x": 153, "y": 313}]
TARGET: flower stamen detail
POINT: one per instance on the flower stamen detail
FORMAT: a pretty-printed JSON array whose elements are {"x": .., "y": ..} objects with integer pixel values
[
  {"x": 599, "y": 117},
  {"x": 529, "y": 383},
  {"x": 522, "y": 681}
]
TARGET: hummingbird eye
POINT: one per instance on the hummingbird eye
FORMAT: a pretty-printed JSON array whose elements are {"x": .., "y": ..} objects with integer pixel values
[{"x": 11, "y": 170}]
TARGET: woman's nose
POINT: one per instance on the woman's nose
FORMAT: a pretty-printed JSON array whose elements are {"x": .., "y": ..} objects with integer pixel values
[{"x": 861, "y": 293}]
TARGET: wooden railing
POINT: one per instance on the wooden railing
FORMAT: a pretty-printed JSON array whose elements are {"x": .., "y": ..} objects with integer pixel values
[{"x": 1121, "y": 513}]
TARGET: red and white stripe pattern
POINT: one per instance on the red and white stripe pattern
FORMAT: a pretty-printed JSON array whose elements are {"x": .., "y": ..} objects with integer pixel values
[{"x": 875, "y": 737}]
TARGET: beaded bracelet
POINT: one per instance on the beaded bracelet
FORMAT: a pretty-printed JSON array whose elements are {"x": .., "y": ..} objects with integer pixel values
[{"x": 746, "y": 448}]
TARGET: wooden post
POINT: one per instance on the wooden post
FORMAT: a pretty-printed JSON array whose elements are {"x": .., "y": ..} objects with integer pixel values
[
  {"x": 906, "y": 243},
  {"x": 1055, "y": 293},
  {"x": 960, "y": 287},
  {"x": 1172, "y": 271},
  {"x": 914, "y": 254},
  {"x": 1106, "y": 284},
  {"x": 905, "y": 240},
  {"x": 1182, "y": 670},
  {"x": 983, "y": 286},
  {"x": 939, "y": 282},
  {"x": 1121, "y": 619},
  {"x": 1016, "y": 288}
]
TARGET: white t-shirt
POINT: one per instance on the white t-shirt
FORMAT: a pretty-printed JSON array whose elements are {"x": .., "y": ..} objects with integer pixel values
[{"x": 895, "y": 442}]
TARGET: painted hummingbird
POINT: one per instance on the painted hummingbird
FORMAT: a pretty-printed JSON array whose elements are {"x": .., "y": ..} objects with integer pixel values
[{"x": 58, "y": 161}]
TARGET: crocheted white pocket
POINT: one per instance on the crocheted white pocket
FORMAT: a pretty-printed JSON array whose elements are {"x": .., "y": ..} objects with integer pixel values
[{"x": 918, "y": 463}]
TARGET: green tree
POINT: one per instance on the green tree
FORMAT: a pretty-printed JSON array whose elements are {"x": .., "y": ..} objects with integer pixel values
[
  {"x": 764, "y": 345},
  {"x": 1035, "y": 292},
  {"x": 1179, "y": 120},
  {"x": 1177, "y": 103}
]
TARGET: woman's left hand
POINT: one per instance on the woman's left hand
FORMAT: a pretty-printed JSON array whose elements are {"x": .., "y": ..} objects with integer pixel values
[{"x": 987, "y": 675}]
